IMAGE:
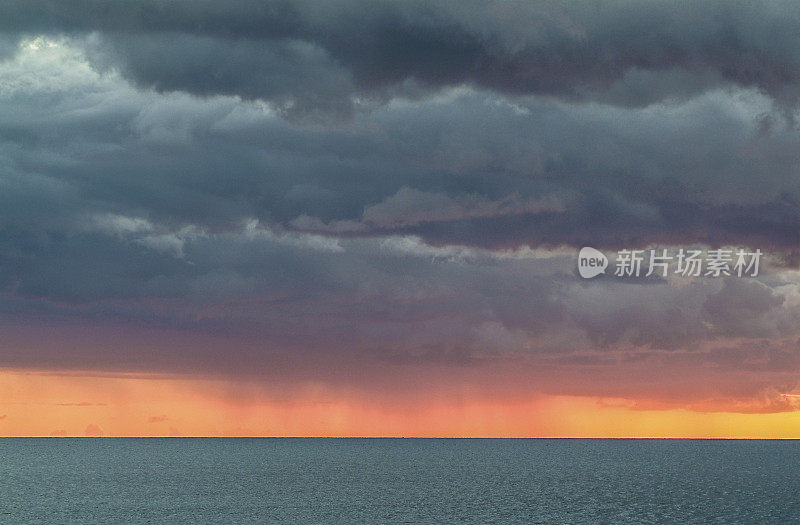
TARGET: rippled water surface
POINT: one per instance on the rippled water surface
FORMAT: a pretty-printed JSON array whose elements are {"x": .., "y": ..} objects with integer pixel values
[{"x": 398, "y": 481}]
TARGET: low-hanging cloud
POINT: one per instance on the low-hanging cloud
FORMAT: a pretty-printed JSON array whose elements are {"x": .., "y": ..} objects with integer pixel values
[{"x": 294, "y": 191}]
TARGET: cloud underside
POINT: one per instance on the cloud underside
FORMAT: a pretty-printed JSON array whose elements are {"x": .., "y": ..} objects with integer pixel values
[{"x": 395, "y": 186}]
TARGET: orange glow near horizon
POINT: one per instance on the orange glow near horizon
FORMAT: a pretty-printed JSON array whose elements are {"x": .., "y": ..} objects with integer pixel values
[{"x": 38, "y": 404}]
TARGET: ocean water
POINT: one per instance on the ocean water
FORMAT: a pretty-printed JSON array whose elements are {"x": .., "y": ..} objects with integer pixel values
[{"x": 398, "y": 481}]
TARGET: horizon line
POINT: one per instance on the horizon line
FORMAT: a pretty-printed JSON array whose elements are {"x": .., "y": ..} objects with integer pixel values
[{"x": 598, "y": 438}]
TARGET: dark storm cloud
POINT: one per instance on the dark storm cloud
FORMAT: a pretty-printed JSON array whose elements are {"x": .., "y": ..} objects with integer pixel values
[
  {"x": 628, "y": 53},
  {"x": 469, "y": 168},
  {"x": 358, "y": 298},
  {"x": 299, "y": 189},
  {"x": 290, "y": 309},
  {"x": 517, "y": 172}
]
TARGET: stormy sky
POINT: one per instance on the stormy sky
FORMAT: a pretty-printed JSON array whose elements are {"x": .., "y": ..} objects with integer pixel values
[{"x": 390, "y": 196}]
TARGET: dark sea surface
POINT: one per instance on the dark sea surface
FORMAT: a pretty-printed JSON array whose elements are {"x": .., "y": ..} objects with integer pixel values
[{"x": 398, "y": 481}]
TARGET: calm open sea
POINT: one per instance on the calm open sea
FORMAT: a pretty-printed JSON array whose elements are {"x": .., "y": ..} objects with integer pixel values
[{"x": 398, "y": 481}]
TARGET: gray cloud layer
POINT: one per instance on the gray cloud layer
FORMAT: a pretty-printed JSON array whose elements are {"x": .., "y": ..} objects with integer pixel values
[
  {"x": 629, "y": 53},
  {"x": 357, "y": 173}
]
